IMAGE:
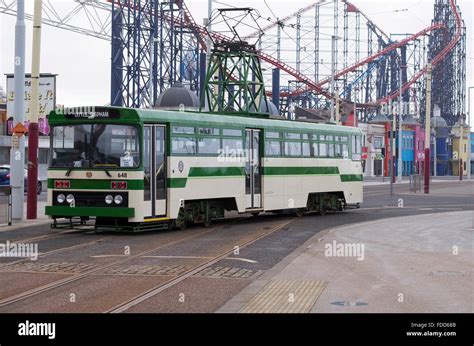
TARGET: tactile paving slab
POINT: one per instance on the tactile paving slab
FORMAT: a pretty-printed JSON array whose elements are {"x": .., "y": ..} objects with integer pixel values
[
  {"x": 149, "y": 270},
  {"x": 36, "y": 267},
  {"x": 285, "y": 296},
  {"x": 228, "y": 273}
]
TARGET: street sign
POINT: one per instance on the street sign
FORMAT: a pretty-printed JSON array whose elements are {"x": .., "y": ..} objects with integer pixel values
[
  {"x": 15, "y": 142},
  {"x": 19, "y": 130}
]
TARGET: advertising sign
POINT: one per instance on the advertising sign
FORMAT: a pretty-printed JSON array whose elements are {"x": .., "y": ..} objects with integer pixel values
[{"x": 47, "y": 100}]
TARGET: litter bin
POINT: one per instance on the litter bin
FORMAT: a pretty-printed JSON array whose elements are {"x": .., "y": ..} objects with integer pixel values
[
  {"x": 6, "y": 205},
  {"x": 416, "y": 183}
]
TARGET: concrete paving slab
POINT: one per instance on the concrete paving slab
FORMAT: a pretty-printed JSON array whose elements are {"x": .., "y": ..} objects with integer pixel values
[{"x": 418, "y": 263}]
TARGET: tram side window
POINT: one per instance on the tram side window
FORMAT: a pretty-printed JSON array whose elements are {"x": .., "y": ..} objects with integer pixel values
[
  {"x": 345, "y": 151},
  {"x": 314, "y": 149},
  {"x": 338, "y": 150},
  {"x": 293, "y": 148},
  {"x": 307, "y": 149},
  {"x": 323, "y": 150},
  {"x": 232, "y": 144},
  {"x": 183, "y": 130},
  {"x": 184, "y": 145},
  {"x": 293, "y": 136},
  {"x": 356, "y": 147},
  {"x": 272, "y": 135},
  {"x": 232, "y": 132},
  {"x": 331, "y": 150},
  {"x": 209, "y": 145},
  {"x": 272, "y": 148},
  {"x": 209, "y": 131}
]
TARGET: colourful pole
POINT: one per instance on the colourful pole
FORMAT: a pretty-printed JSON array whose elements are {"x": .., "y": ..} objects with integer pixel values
[
  {"x": 428, "y": 129},
  {"x": 32, "y": 197}
]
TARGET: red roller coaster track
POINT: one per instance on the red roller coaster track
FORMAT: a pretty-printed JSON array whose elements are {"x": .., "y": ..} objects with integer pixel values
[{"x": 202, "y": 32}]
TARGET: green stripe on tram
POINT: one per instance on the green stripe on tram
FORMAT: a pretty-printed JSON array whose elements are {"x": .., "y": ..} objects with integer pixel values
[
  {"x": 204, "y": 172},
  {"x": 223, "y": 172},
  {"x": 177, "y": 183},
  {"x": 285, "y": 171},
  {"x": 97, "y": 184},
  {"x": 345, "y": 178}
]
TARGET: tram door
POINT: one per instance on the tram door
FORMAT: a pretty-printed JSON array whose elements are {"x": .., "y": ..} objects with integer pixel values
[
  {"x": 154, "y": 164},
  {"x": 253, "y": 181}
]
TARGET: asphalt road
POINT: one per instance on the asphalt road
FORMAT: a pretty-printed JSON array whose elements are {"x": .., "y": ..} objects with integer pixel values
[{"x": 196, "y": 270}]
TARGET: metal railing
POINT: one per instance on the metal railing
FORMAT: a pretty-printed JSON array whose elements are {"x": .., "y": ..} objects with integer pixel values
[{"x": 5, "y": 205}]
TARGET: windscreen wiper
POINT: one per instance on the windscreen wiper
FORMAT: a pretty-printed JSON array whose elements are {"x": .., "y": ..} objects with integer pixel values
[
  {"x": 68, "y": 173},
  {"x": 104, "y": 167}
]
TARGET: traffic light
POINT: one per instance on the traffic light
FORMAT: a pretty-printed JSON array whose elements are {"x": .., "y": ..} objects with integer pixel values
[{"x": 383, "y": 152}]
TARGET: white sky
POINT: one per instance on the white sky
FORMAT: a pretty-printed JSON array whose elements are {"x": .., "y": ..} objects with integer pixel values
[{"x": 83, "y": 63}]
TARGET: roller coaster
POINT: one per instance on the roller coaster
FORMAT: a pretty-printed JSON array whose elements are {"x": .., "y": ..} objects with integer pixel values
[{"x": 156, "y": 43}]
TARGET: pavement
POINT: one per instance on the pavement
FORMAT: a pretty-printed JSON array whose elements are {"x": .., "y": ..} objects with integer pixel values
[
  {"x": 373, "y": 181},
  {"x": 410, "y": 264},
  {"x": 16, "y": 224}
]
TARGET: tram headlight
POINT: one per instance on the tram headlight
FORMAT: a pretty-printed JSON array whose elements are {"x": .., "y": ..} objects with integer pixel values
[
  {"x": 61, "y": 198},
  {"x": 118, "y": 199},
  {"x": 109, "y": 199},
  {"x": 70, "y": 199}
]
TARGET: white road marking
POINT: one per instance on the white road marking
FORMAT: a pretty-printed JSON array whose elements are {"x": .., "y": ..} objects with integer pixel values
[
  {"x": 189, "y": 257},
  {"x": 242, "y": 259}
]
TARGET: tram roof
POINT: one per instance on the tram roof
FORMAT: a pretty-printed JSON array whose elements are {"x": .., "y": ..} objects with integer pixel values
[{"x": 129, "y": 115}]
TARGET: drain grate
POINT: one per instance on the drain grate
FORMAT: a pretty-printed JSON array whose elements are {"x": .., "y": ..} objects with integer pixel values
[
  {"x": 349, "y": 303},
  {"x": 448, "y": 273},
  {"x": 286, "y": 296},
  {"x": 36, "y": 267},
  {"x": 228, "y": 273},
  {"x": 149, "y": 270}
]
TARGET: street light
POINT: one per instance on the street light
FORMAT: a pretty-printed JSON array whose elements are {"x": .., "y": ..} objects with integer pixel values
[
  {"x": 469, "y": 133},
  {"x": 400, "y": 110}
]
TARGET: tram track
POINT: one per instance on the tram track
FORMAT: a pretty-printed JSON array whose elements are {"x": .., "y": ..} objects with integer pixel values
[
  {"x": 97, "y": 269},
  {"x": 192, "y": 271},
  {"x": 55, "y": 252},
  {"x": 47, "y": 236}
]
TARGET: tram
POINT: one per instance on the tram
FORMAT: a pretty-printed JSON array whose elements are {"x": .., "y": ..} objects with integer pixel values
[{"x": 137, "y": 169}]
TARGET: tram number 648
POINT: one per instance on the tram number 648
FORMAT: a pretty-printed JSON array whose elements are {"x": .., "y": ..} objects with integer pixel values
[{"x": 122, "y": 175}]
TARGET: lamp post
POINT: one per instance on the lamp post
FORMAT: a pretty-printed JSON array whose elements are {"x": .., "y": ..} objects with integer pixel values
[
  {"x": 400, "y": 146},
  {"x": 428, "y": 128},
  {"x": 469, "y": 134},
  {"x": 17, "y": 154}
]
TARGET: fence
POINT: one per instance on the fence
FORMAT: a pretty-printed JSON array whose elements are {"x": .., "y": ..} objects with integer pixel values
[{"x": 5, "y": 205}]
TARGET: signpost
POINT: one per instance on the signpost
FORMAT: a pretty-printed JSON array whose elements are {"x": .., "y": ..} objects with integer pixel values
[{"x": 17, "y": 161}]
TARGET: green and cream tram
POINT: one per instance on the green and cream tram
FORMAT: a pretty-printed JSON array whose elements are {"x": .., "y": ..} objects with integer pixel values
[{"x": 135, "y": 169}]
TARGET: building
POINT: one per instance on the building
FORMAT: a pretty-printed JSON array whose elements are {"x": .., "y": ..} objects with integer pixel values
[
  {"x": 441, "y": 147},
  {"x": 460, "y": 141},
  {"x": 373, "y": 141},
  {"x": 472, "y": 152}
]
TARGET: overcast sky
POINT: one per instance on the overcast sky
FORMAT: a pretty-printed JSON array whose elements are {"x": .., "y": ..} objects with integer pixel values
[{"x": 83, "y": 63}]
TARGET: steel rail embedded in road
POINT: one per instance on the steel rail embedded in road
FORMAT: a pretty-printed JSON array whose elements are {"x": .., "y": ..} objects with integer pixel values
[
  {"x": 73, "y": 278},
  {"x": 175, "y": 280}
]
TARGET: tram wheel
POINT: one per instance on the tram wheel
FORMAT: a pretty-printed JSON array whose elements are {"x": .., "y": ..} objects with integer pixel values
[
  {"x": 255, "y": 214},
  {"x": 181, "y": 222},
  {"x": 299, "y": 213},
  {"x": 322, "y": 211},
  {"x": 207, "y": 223}
]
